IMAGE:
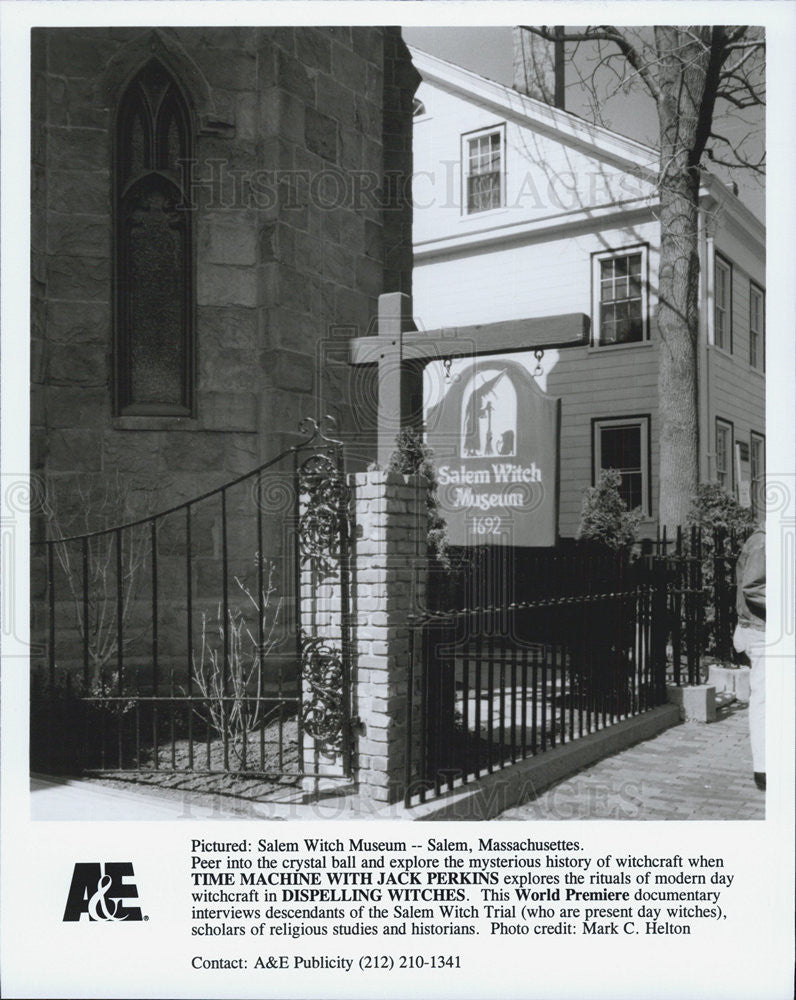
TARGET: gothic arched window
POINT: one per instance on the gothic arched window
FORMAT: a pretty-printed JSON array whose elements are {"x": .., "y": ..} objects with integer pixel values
[{"x": 153, "y": 253}]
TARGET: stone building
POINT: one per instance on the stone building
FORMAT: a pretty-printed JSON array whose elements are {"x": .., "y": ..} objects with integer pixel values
[
  {"x": 215, "y": 212},
  {"x": 212, "y": 207}
]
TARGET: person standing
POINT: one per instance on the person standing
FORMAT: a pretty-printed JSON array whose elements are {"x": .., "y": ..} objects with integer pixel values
[{"x": 750, "y": 637}]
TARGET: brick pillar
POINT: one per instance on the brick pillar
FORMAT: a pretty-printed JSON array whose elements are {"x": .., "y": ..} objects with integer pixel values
[
  {"x": 388, "y": 566},
  {"x": 388, "y": 583}
]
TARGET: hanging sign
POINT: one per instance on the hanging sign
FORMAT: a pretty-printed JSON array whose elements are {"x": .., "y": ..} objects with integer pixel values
[{"x": 495, "y": 441}]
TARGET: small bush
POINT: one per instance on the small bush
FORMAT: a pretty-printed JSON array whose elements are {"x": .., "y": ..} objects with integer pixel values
[
  {"x": 604, "y": 517},
  {"x": 412, "y": 456},
  {"x": 231, "y": 693},
  {"x": 724, "y": 526},
  {"x": 713, "y": 509}
]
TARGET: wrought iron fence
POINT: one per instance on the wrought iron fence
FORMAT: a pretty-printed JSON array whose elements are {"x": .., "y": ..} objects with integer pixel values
[
  {"x": 698, "y": 567},
  {"x": 595, "y": 639},
  {"x": 177, "y": 642}
]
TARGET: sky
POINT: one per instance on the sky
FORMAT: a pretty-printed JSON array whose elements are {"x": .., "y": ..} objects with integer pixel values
[{"x": 488, "y": 51}]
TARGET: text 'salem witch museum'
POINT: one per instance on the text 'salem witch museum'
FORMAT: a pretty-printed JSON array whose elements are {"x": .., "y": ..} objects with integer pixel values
[
  {"x": 533, "y": 226},
  {"x": 183, "y": 322}
]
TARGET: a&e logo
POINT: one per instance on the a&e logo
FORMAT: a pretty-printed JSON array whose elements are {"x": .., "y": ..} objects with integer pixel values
[{"x": 99, "y": 889}]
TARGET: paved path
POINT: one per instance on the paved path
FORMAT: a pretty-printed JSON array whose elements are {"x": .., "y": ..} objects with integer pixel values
[
  {"x": 75, "y": 799},
  {"x": 55, "y": 799},
  {"x": 692, "y": 771}
]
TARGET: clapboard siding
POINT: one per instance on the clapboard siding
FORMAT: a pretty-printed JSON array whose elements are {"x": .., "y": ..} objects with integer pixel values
[
  {"x": 535, "y": 258},
  {"x": 600, "y": 383},
  {"x": 736, "y": 390},
  {"x": 545, "y": 277},
  {"x": 544, "y": 175}
]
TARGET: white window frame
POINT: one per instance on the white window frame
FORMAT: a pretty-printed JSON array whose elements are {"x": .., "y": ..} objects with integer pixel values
[
  {"x": 757, "y": 332},
  {"x": 722, "y": 335},
  {"x": 641, "y": 249},
  {"x": 757, "y": 469},
  {"x": 724, "y": 475},
  {"x": 467, "y": 138},
  {"x": 642, "y": 422}
]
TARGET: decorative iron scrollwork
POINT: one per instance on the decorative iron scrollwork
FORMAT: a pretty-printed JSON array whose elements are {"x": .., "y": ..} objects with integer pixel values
[
  {"x": 322, "y": 713},
  {"x": 326, "y": 495},
  {"x": 322, "y": 484},
  {"x": 323, "y": 534}
]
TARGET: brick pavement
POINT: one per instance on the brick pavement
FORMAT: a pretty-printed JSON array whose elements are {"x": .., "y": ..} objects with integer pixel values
[{"x": 692, "y": 771}]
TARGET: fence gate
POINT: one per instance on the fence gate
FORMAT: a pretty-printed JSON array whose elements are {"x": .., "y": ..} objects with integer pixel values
[{"x": 179, "y": 642}]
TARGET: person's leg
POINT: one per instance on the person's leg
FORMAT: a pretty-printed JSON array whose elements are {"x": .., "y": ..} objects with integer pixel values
[{"x": 757, "y": 707}]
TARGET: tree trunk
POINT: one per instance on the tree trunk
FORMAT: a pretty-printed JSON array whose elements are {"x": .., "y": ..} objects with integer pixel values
[
  {"x": 678, "y": 329},
  {"x": 682, "y": 75}
]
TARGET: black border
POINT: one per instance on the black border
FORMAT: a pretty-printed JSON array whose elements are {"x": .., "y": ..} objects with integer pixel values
[
  {"x": 151, "y": 410},
  {"x": 627, "y": 417},
  {"x": 646, "y": 316},
  {"x": 718, "y": 255},
  {"x": 754, "y": 286},
  {"x": 729, "y": 423},
  {"x": 501, "y": 126}
]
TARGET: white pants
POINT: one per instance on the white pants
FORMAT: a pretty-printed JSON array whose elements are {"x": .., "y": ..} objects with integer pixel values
[{"x": 752, "y": 641}]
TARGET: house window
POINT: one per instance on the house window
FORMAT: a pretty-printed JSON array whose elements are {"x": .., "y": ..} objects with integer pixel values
[
  {"x": 757, "y": 470},
  {"x": 756, "y": 327},
  {"x": 620, "y": 296},
  {"x": 153, "y": 249},
  {"x": 722, "y": 305},
  {"x": 623, "y": 444},
  {"x": 483, "y": 165},
  {"x": 724, "y": 475}
]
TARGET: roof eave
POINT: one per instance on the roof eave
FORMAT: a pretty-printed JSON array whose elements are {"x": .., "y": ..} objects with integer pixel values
[
  {"x": 713, "y": 189},
  {"x": 554, "y": 121}
]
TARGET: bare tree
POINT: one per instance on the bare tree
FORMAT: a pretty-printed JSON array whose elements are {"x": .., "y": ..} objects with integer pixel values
[
  {"x": 88, "y": 563},
  {"x": 697, "y": 77}
]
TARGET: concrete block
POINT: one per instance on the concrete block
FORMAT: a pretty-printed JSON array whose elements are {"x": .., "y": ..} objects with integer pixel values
[
  {"x": 731, "y": 680},
  {"x": 232, "y": 69},
  {"x": 77, "y": 149},
  {"x": 78, "y": 279},
  {"x": 229, "y": 239},
  {"x": 74, "y": 55},
  {"x": 347, "y": 68},
  {"x": 70, "y": 190},
  {"x": 314, "y": 48},
  {"x": 222, "y": 285},
  {"x": 696, "y": 704},
  {"x": 294, "y": 76},
  {"x": 492, "y": 794}
]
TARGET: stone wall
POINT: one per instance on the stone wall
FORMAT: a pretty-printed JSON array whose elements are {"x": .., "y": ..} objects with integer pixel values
[
  {"x": 292, "y": 238},
  {"x": 296, "y": 233}
]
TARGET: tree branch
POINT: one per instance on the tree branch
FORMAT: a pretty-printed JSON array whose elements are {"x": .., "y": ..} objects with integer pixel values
[
  {"x": 758, "y": 44},
  {"x": 752, "y": 102},
  {"x": 708, "y": 103},
  {"x": 739, "y": 161},
  {"x": 603, "y": 33}
]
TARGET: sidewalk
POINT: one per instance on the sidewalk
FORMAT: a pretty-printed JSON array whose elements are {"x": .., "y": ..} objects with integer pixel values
[{"x": 692, "y": 771}]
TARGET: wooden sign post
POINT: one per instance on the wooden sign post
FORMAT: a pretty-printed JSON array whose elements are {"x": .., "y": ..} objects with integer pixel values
[{"x": 495, "y": 437}]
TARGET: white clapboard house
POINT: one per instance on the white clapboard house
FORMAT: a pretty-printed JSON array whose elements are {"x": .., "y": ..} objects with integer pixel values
[{"x": 525, "y": 211}]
